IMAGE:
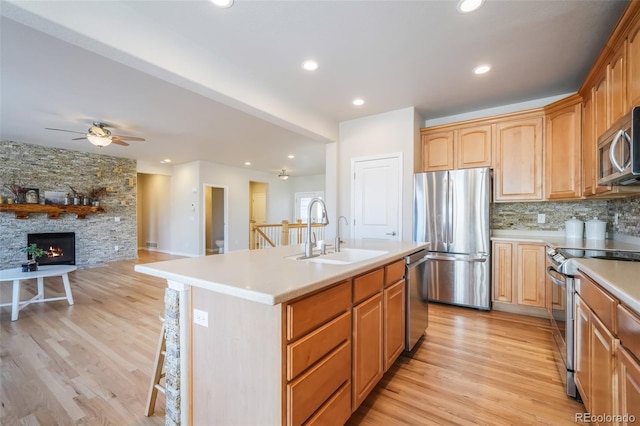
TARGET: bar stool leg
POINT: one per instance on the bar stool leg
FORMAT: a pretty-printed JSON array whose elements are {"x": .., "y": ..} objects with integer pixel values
[{"x": 158, "y": 374}]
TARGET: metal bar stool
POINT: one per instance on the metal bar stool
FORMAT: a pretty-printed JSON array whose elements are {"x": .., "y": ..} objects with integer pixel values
[{"x": 158, "y": 373}]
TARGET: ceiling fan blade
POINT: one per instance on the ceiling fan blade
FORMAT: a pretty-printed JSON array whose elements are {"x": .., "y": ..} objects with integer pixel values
[
  {"x": 119, "y": 142},
  {"x": 127, "y": 138},
  {"x": 79, "y": 139},
  {"x": 63, "y": 130}
]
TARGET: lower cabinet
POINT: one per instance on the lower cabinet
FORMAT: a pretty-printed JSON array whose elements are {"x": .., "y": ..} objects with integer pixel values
[
  {"x": 608, "y": 347},
  {"x": 368, "y": 364},
  {"x": 339, "y": 343},
  {"x": 394, "y": 322},
  {"x": 629, "y": 385},
  {"x": 519, "y": 278}
]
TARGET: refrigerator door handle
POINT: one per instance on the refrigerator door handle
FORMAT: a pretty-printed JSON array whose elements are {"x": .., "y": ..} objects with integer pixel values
[{"x": 481, "y": 258}]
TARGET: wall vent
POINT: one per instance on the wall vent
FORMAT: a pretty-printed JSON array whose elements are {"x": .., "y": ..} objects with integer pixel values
[{"x": 152, "y": 245}]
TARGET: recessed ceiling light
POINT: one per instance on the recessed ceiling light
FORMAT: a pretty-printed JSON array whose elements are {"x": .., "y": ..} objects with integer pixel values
[
  {"x": 166, "y": 160},
  {"x": 291, "y": 156},
  {"x": 481, "y": 69},
  {"x": 310, "y": 65},
  {"x": 223, "y": 3},
  {"x": 358, "y": 102},
  {"x": 466, "y": 6},
  {"x": 247, "y": 163}
]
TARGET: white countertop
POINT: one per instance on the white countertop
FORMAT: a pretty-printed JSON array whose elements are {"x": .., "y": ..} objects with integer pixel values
[
  {"x": 556, "y": 239},
  {"x": 620, "y": 278},
  {"x": 267, "y": 276}
]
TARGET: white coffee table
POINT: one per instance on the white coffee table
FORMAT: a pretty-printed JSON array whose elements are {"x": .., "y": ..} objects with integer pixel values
[{"x": 16, "y": 275}]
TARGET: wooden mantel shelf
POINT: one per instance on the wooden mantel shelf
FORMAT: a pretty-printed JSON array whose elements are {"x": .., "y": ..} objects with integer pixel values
[{"x": 53, "y": 211}]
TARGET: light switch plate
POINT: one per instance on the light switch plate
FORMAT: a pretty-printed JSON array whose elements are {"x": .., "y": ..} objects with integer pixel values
[{"x": 542, "y": 218}]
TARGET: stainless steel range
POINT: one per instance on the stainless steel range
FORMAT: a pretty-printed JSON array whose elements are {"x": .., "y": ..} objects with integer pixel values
[{"x": 561, "y": 271}]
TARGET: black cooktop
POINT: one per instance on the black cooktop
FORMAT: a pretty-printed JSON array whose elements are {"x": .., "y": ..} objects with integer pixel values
[{"x": 630, "y": 256}]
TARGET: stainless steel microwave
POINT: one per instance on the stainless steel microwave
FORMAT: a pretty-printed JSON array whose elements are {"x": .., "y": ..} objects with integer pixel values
[{"x": 619, "y": 152}]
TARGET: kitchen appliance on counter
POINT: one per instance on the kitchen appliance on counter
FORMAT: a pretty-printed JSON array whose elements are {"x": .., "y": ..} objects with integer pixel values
[
  {"x": 561, "y": 271},
  {"x": 417, "y": 308},
  {"x": 619, "y": 151},
  {"x": 451, "y": 214}
]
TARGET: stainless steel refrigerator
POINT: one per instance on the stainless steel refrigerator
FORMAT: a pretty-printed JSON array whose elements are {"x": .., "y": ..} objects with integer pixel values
[{"x": 451, "y": 213}]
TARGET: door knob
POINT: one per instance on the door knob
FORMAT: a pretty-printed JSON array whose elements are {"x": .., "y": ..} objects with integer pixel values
[{"x": 391, "y": 233}]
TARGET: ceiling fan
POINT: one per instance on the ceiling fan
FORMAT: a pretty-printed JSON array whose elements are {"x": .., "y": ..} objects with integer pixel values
[{"x": 100, "y": 136}]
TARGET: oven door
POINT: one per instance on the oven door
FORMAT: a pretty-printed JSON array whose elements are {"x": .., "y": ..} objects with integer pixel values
[{"x": 562, "y": 323}]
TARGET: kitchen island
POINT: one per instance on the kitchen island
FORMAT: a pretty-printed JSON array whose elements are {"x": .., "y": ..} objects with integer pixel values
[{"x": 257, "y": 337}]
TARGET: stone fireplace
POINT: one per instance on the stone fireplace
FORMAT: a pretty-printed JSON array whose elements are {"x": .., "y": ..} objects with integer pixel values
[{"x": 59, "y": 247}]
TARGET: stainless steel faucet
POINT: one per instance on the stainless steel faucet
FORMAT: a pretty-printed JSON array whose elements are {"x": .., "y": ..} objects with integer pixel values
[
  {"x": 308, "y": 248},
  {"x": 338, "y": 240}
]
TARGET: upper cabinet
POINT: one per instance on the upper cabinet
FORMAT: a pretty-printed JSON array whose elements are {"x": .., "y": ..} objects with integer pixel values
[
  {"x": 563, "y": 149},
  {"x": 633, "y": 64},
  {"x": 473, "y": 146},
  {"x": 518, "y": 166},
  {"x": 437, "y": 150},
  {"x": 456, "y": 147}
]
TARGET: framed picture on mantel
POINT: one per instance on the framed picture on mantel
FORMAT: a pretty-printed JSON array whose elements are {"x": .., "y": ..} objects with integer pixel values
[
  {"x": 54, "y": 197},
  {"x": 31, "y": 195}
]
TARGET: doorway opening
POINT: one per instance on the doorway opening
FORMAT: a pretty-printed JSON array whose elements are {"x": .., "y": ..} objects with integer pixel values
[{"x": 215, "y": 219}]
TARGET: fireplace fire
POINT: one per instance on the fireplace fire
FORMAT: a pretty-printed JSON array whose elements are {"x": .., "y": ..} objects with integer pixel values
[{"x": 59, "y": 247}]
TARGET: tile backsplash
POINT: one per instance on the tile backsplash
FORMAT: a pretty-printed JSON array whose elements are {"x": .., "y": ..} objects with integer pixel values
[{"x": 524, "y": 216}]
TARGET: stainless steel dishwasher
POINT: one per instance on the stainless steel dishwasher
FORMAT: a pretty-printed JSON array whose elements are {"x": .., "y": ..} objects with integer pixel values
[{"x": 417, "y": 308}]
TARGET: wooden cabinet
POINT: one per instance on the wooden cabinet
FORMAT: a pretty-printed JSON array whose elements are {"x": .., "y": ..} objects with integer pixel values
[
  {"x": 602, "y": 348},
  {"x": 617, "y": 93},
  {"x": 633, "y": 64},
  {"x": 437, "y": 151},
  {"x": 518, "y": 167},
  {"x": 583, "y": 331},
  {"x": 589, "y": 165},
  {"x": 502, "y": 272},
  {"x": 318, "y": 356},
  {"x": 597, "y": 344},
  {"x": 563, "y": 149},
  {"x": 394, "y": 322},
  {"x": 519, "y": 277},
  {"x": 628, "y": 354},
  {"x": 473, "y": 146},
  {"x": 531, "y": 276},
  {"x": 368, "y": 364},
  {"x": 457, "y": 147}
]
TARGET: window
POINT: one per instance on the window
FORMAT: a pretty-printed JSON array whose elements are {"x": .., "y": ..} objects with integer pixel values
[{"x": 302, "y": 200}]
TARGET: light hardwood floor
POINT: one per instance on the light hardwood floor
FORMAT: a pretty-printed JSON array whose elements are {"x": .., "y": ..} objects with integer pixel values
[{"x": 91, "y": 363}]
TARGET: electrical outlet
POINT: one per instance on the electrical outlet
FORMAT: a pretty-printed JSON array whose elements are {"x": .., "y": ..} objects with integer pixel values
[
  {"x": 117, "y": 218},
  {"x": 616, "y": 218},
  {"x": 542, "y": 218},
  {"x": 201, "y": 317},
  {"x": 116, "y": 248}
]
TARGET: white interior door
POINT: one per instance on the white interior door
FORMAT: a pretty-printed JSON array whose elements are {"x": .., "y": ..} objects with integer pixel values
[{"x": 377, "y": 197}]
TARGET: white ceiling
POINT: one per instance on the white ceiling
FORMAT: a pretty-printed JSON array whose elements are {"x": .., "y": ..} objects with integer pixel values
[{"x": 226, "y": 85}]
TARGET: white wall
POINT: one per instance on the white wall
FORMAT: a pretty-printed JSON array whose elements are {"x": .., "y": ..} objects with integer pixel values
[
  {"x": 380, "y": 134},
  {"x": 154, "y": 211},
  {"x": 186, "y": 207}
]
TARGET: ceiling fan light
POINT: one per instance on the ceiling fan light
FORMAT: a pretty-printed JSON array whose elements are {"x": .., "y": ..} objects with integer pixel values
[
  {"x": 99, "y": 141},
  {"x": 283, "y": 175}
]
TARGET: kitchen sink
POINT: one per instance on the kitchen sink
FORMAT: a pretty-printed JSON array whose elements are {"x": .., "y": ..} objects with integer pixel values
[{"x": 344, "y": 257}]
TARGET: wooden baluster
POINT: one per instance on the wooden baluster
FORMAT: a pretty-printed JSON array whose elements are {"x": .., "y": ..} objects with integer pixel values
[{"x": 285, "y": 233}]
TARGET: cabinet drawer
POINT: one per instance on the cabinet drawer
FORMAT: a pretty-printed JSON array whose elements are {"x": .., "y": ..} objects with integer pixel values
[
  {"x": 368, "y": 285},
  {"x": 308, "y": 392},
  {"x": 629, "y": 330},
  {"x": 393, "y": 273},
  {"x": 305, "y": 352},
  {"x": 313, "y": 311},
  {"x": 600, "y": 302},
  {"x": 336, "y": 411}
]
